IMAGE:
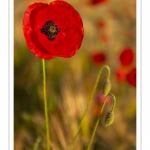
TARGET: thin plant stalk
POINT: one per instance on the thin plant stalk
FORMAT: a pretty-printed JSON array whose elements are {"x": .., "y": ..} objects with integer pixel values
[
  {"x": 36, "y": 145},
  {"x": 46, "y": 106},
  {"x": 98, "y": 120},
  {"x": 89, "y": 102}
]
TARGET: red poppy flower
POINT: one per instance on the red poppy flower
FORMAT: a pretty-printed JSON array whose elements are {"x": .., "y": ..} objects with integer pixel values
[
  {"x": 131, "y": 77},
  {"x": 126, "y": 57},
  {"x": 94, "y": 2},
  {"x": 98, "y": 58},
  {"x": 52, "y": 30},
  {"x": 120, "y": 74}
]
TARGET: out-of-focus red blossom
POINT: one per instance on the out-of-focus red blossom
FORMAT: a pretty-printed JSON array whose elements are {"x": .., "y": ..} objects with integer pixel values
[
  {"x": 131, "y": 77},
  {"x": 121, "y": 74},
  {"x": 104, "y": 38},
  {"x": 98, "y": 58},
  {"x": 100, "y": 98},
  {"x": 126, "y": 57},
  {"x": 96, "y": 110},
  {"x": 113, "y": 14},
  {"x": 95, "y": 2},
  {"x": 101, "y": 24},
  {"x": 54, "y": 29}
]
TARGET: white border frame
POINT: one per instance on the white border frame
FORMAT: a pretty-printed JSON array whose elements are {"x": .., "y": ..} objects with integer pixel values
[
  {"x": 11, "y": 74},
  {"x": 145, "y": 74},
  {"x": 138, "y": 75},
  {"x": 4, "y": 76}
]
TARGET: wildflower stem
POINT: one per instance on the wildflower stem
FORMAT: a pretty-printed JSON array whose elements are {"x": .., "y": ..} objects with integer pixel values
[
  {"x": 89, "y": 102},
  {"x": 98, "y": 120},
  {"x": 37, "y": 143},
  {"x": 114, "y": 102},
  {"x": 46, "y": 106}
]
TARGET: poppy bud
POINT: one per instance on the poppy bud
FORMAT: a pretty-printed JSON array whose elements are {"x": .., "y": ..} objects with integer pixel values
[
  {"x": 106, "y": 87},
  {"x": 109, "y": 119}
]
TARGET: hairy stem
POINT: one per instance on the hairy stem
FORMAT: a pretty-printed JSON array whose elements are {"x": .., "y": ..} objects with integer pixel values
[
  {"x": 46, "y": 106},
  {"x": 36, "y": 145},
  {"x": 98, "y": 120},
  {"x": 89, "y": 102}
]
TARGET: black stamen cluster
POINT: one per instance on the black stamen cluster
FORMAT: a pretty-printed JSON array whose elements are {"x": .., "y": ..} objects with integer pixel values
[{"x": 46, "y": 30}]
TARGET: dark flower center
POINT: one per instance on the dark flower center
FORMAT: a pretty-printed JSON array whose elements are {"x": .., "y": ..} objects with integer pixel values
[{"x": 50, "y": 29}]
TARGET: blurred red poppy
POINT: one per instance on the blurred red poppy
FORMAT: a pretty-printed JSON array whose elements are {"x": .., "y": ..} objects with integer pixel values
[
  {"x": 120, "y": 74},
  {"x": 100, "y": 97},
  {"x": 101, "y": 24},
  {"x": 126, "y": 57},
  {"x": 96, "y": 110},
  {"x": 104, "y": 38},
  {"x": 98, "y": 58},
  {"x": 94, "y": 2},
  {"x": 113, "y": 14},
  {"x": 131, "y": 77},
  {"x": 53, "y": 30}
]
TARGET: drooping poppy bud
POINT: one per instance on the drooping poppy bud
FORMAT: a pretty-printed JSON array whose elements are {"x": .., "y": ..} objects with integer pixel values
[{"x": 109, "y": 119}]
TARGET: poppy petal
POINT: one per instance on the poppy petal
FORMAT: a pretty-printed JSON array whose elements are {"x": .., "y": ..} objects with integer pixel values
[{"x": 30, "y": 35}]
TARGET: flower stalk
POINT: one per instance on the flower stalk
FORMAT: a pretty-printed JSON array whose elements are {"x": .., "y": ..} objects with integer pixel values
[
  {"x": 89, "y": 101},
  {"x": 36, "y": 145},
  {"x": 98, "y": 120},
  {"x": 46, "y": 106}
]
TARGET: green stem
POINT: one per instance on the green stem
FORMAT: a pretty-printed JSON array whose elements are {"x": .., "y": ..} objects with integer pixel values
[
  {"x": 37, "y": 143},
  {"x": 114, "y": 102},
  {"x": 98, "y": 120},
  {"x": 89, "y": 102},
  {"x": 46, "y": 106}
]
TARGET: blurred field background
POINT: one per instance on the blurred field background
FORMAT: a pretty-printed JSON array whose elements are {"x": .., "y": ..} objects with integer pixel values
[{"x": 110, "y": 27}]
